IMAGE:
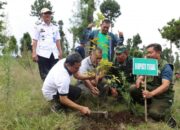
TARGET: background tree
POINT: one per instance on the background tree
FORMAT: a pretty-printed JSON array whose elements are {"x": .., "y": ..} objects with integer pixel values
[
  {"x": 11, "y": 45},
  {"x": 136, "y": 41},
  {"x": 64, "y": 42},
  {"x": 25, "y": 42},
  {"x": 81, "y": 18},
  {"x": 3, "y": 38},
  {"x": 129, "y": 43},
  {"x": 38, "y": 5},
  {"x": 177, "y": 63},
  {"x": 110, "y": 9},
  {"x": 133, "y": 46},
  {"x": 166, "y": 55},
  {"x": 171, "y": 32}
]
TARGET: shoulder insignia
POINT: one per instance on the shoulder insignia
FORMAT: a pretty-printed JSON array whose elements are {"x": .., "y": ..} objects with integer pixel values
[
  {"x": 42, "y": 30},
  {"x": 38, "y": 22}
]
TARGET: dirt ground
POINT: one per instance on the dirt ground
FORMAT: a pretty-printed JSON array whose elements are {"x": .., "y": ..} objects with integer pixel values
[{"x": 115, "y": 121}]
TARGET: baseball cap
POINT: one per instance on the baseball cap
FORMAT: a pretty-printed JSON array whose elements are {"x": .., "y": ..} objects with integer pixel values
[
  {"x": 45, "y": 10},
  {"x": 120, "y": 49}
]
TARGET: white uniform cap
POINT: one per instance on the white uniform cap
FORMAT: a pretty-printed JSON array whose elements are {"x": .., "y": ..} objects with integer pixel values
[{"x": 45, "y": 10}]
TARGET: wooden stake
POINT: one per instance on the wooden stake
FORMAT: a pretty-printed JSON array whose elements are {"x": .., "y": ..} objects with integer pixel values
[{"x": 145, "y": 100}]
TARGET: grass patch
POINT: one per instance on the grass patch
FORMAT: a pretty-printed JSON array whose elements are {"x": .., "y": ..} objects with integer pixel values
[{"x": 24, "y": 107}]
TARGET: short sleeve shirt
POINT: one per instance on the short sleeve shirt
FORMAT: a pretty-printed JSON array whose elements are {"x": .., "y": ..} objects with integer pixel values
[
  {"x": 57, "y": 80},
  {"x": 167, "y": 72},
  {"x": 46, "y": 36},
  {"x": 81, "y": 51},
  {"x": 86, "y": 65},
  {"x": 103, "y": 43}
]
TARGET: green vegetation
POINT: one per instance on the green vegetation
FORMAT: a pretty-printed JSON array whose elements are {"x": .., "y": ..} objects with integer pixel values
[
  {"x": 171, "y": 32},
  {"x": 23, "y": 107},
  {"x": 38, "y": 5},
  {"x": 82, "y": 16},
  {"x": 111, "y": 10}
]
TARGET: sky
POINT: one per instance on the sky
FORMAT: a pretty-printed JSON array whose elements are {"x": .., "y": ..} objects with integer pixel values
[{"x": 137, "y": 16}]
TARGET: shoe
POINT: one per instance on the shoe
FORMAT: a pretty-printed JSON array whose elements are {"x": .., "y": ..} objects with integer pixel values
[{"x": 171, "y": 122}]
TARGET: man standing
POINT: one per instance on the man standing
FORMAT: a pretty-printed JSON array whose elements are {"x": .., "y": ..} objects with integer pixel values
[
  {"x": 105, "y": 39},
  {"x": 46, "y": 49},
  {"x": 159, "y": 93},
  {"x": 57, "y": 89}
]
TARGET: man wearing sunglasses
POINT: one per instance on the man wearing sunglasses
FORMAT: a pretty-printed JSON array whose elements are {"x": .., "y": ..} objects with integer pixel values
[{"x": 46, "y": 49}]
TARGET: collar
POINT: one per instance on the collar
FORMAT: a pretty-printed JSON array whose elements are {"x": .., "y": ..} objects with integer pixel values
[
  {"x": 90, "y": 62},
  {"x": 122, "y": 64},
  {"x": 67, "y": 70},
  {"x": 103, "y": 33},
  {"x": 43, "y": 23}
]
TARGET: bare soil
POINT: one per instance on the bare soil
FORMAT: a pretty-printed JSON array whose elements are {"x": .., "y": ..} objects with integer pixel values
[{"x": 115, "y": 121}]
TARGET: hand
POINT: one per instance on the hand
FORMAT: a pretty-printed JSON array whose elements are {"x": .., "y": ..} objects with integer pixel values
[
  {"x": 147, "y": 94},
  {"x": 93, "y": 82},
  {"x": 95, "y": 91},
  {"x": 34, "y": 57},
  {"x": 120, "y": 33},
  {"x": 114, "y": 92},
  {"x": 85, "y": 110},
  {"x": 91, "y": 25},
  {"x": 138, "y": 83}
]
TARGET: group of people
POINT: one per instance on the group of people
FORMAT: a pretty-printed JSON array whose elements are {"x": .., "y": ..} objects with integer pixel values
[{"x": 56, "y": 71}]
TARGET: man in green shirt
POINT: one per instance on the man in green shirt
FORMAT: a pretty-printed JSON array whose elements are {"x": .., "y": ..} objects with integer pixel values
[
  {"x": 104, "y": 39},
  {"x": 122, "y": 69}
]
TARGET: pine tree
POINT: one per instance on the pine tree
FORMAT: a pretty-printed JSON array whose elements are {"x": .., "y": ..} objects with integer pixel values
[{"x": 38, "y": 5}]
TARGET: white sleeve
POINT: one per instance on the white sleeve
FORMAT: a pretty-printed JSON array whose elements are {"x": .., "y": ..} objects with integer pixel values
[
  {"x": 83, "y": 67},
  {"x": 57, "y": 34},
  {"x": 63, "y": 85},
  {"x": 35, "y": 33}
]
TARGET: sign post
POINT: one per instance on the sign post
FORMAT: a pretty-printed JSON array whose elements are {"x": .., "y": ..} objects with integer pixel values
[{"x": 146, "y": 67}]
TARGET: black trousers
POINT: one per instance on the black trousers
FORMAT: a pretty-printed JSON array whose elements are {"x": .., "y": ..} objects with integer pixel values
[
  {"x": 45, "y": 64},
  {"x": 74, "y": 94}
]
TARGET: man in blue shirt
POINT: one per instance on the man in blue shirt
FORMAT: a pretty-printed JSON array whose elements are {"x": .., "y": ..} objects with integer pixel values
[
  {"x": 81, "y": 49},
  {"x": 159, "y": 93}
]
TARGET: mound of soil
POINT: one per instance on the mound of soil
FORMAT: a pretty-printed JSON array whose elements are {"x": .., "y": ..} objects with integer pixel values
[
  {"x": 115, "y": 121},
  {"x": 126, "y": 118}
]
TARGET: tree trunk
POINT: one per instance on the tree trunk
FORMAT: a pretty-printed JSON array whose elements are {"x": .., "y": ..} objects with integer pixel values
[{"x": 171, "y": 59}]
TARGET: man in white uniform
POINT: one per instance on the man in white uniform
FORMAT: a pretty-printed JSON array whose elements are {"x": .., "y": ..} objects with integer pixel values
[
  {"x": 56, "y": 87},
  {"x": 46, "y": 49}
]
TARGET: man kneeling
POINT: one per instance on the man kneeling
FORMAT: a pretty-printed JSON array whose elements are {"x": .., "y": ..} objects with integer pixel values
[{"x": 57, "y": 89}]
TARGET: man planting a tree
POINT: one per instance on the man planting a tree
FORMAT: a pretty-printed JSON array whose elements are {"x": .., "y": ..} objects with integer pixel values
[
  {"x": 57, "y": 89},
  {"x": 159, "y": 93}
]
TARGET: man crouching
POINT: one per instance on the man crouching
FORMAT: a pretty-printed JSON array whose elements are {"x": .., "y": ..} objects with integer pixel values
[{"x": 57, "y": 89}]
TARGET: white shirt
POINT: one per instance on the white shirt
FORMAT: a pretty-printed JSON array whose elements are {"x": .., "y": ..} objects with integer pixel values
[
  {"x": 46, "y": 35},
  {"x": 57, "y": 80},
  {"x": 86, "y": 65}
]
